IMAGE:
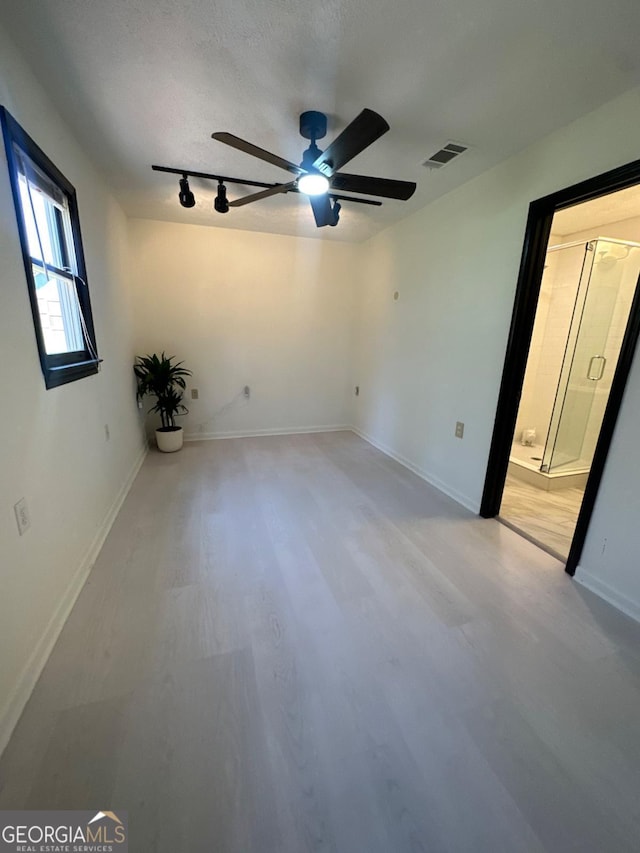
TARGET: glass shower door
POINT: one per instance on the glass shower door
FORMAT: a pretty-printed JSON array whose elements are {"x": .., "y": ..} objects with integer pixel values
[{"x": 591, "y": 355}]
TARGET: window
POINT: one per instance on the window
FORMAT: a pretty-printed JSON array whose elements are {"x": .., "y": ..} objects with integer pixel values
[{"x": 49, "y": 229}]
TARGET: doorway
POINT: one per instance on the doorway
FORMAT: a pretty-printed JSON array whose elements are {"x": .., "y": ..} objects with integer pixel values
[{"x": 573, "y": 334}]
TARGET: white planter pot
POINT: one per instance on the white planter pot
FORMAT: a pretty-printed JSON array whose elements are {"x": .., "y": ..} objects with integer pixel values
[{"x": 169, "y": 440}]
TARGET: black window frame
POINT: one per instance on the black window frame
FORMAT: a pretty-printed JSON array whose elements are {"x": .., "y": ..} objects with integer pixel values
[{"x": 60, "y": 368}]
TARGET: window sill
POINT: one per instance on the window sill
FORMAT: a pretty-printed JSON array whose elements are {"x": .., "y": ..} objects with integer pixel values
[{"x": 65, "y": 373}]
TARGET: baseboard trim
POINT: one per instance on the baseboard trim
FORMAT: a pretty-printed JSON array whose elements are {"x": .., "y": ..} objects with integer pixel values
[
  {"x": 13, "y": 708},
  {"x": 212, "y": 436},
  {"x": 434, "y": 481},
  {"x": 610, "y": 595}
]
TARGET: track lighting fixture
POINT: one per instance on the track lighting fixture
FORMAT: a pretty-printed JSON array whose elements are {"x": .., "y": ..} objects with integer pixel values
[
  {"x": 324, "y": 200},
  {"x": 221, "y": 203},
  {"x": 185, "y": 195}
]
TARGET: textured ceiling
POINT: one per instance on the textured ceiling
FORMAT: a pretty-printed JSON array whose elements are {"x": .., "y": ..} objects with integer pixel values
[{"x": 147, "y": 81}]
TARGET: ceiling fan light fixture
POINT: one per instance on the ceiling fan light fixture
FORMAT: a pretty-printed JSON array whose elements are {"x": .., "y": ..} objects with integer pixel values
[
  {"x": 186, "y": 197},
  {"x": 318, "y": 176},
  {"x": 221, "y": 203},
  {"x": 313, "y": 184}
]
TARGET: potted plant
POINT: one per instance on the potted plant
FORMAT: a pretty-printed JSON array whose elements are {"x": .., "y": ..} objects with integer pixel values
[{"x": 164, "y": 379}]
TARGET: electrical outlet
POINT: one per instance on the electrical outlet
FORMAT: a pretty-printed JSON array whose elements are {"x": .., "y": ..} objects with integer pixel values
[
  {"x": 246, "y": 391},
  {"x": 195, "y": 394},
  {"x": 107, "y": 434},
  {"x": 459, "y": 429},
  {"x": 23, "y": 518}
]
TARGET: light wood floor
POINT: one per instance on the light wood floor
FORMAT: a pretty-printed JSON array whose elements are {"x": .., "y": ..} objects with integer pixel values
[
  {"x": 548, "y": 517},
  {"x": 293, "y": 644}
]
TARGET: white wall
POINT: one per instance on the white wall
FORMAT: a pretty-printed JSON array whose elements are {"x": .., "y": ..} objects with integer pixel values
[
  {"x": 243, "y": 308},
  {"x": 436, "y": 355},
  {"x": 609, "y": 563},
  {"x": 556, "y": 301},
  {"x": 625, "y": 229},
  {"x": 52, "y": 443}
]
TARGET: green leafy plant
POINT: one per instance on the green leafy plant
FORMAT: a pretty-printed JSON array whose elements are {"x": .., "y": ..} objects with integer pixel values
[{"x": 164, "y": 379}]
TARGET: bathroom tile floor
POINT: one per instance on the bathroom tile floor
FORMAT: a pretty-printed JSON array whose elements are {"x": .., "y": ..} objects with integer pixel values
[{"x": 549, "y": 518}]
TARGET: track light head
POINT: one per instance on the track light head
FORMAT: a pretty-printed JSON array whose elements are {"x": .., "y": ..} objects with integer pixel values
[
  {"x": 221, "y": 203},
  {"x": 186, "y": 197},
  {"x": 336, "y": 213}
]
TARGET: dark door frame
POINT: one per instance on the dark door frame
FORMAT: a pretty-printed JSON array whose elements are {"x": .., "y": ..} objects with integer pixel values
[{"x": 524, "y": 311}]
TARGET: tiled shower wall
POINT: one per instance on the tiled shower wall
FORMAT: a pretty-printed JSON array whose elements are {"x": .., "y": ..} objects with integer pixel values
[{"x": 553, "y": 318}]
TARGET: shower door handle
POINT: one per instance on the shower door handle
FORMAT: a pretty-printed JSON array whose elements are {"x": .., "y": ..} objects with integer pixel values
[{"x": 597, "y": 368}]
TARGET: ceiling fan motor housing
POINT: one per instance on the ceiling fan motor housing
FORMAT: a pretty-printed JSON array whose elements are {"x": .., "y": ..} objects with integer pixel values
[
  {"x": 309, "y": 157},
  {"x": 319, "y": 175},
  {"x": 313, "y": 125}
]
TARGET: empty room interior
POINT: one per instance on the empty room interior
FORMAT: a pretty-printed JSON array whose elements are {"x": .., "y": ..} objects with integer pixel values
[{"x": 319, "y": 503}]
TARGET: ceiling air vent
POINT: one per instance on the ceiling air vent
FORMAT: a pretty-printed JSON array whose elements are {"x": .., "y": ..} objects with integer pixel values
[{"x": 445, "y": 155}]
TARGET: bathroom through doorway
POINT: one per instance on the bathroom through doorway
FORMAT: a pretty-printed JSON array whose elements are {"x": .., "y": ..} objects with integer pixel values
[{"x": 574, "y": 331}]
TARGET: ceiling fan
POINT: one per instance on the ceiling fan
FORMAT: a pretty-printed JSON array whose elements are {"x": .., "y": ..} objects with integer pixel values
[{"x": 318, "y": 176}]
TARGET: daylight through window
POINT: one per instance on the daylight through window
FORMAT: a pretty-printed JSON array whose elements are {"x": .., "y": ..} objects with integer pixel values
[{"x": 52, "y": 252}]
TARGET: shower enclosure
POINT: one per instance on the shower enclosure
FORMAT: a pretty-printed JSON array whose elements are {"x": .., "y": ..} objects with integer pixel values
[{"x": 586, "y": 296}]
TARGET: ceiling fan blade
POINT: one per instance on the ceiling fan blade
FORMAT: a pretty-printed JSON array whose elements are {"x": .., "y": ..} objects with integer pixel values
[
  {"x": 356, "y": 200},
  {"x": 322, "y": 212},
  {"x": 385, "y": 187},
  {"x": 337, "y": 196},
  {"x": 260, "y": 153},
  {"x": 248, "y": 199},
  {"x": 363, "y": 130}
]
